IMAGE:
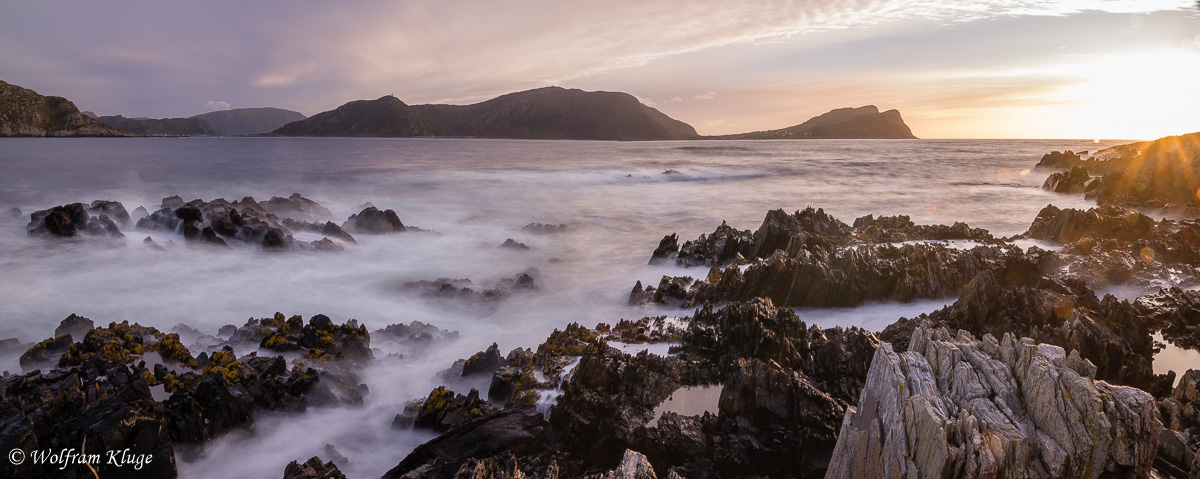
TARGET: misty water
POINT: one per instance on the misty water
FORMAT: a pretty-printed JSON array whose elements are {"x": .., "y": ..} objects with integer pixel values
[{"x": 613, "y": 196}]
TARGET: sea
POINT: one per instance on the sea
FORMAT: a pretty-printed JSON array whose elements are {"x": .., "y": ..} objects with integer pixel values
[{"x": 617, "y": 200}]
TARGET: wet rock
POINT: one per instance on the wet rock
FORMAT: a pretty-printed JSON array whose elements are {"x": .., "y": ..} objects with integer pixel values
[
  {"x": 139, "y": 213},
  {"x": 314, "y": 468},
  {"x": 1110, "y": 245},
  {"x": 92, "y": 408},
  {"x": 111, "y": 209},
  {"x": 373, "y": 221},
  {"x": 484, "y": 362},
  {"x": 416, "y": 332},
  {"x": 1175, "y": 312},
  {"x": 149, "y": 243},
  {"x": 189, "y": 213},
  {"x": 45, "y": 353},
  {"x": 1073, "y": 181},
  {"x": 275, "y": 239},
  {"x": 648, "y": 329},
  {"x": 955, "y": 406},
  {"x": 1158, "y": 174},
  {"x": 171, "y": 202},
  {"x": 296, "y": 207},
  {"x": 211, "y": 408},
  {"x": 64, "y": 221},
  {"x": 518, "y": 431},
  {"x": 502, "y": 466},
  {"x": 327, "y": 245},
  {"x": 895, "y": 229},
  {"x": 74, "y": 326},
  {"x": 633, "y": 466},
  {"x": 466, "y": 290},
  {"x": 1107, "y": 332},
  {"x": 544, "y": 229},
  {"x": 667, "y": 249},
  {"x": 513, "y": 244},
  {"x": 443, "y": 410},
  {"x": 1056, "y": 159}
]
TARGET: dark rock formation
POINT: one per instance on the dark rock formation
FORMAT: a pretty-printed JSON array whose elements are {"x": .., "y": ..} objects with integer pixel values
[
  {"x": 1112, "y": 245},
  {"x": 314, "y": 468},
  {"x": 862, "y": 122},
  {"x": 220, "y": 221},
  {"x": 74, "y": 326},
  {"x": 484, "y": 362},
  {"x": 24, "y": 112},
  {"x": 1164, "y": 173},
  {"x": 1179, "y": 445},
  {"x": 543, "y": 113},
  {"x": 514, "y": 245},
  {"x": 249, "y": 121},
  {"x": 1107, "y": 332},
  {"x": 467, "y": 290},
  {"x": 518, "y": 431},
  {"x": 443, "y": 410},
  {"x": 1175, "y": 313},
  {"x": 72, "y": 220},
  {"x": 296, "y": 207},
  {"x": 1073, "y": 181},
  {"x": 544, "y": 229},
  {"x": 953, "y": 406},
  {"x": 160, "y": 127},
  {"x": 375, "y": 222}
]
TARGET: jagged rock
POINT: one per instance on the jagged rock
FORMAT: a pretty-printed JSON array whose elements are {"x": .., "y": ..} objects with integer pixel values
[
  {"x": 296, "y": 207},
  {"x": 1072, "y": 181},
  {"x": 65, "y": 220},
  {"x": 443, "y": 410},
  {"x": 1175, "y": 312},
  {"x": 513, "y": 244},
  {"x": 74, "y": 326},
  {"x": 149, "y": 243},
  {"x": 518, "y": 431},
  {"x": 93, "y": 408},
  {"x": 1057, "y": 159},
  {"x": 465, "y": 289},
  {"x": 667, "y": 249},
  {"x": 112, "y": 209},
  {"x": 484, "y": 362},
  {"x": 1157, "y": 174},
  {"x": 314, "y": 468},
  {"x": 375, "y": 222},
  {"x": 544, "y": 229},
  {"x": 895, "y": 229},
  {"x": 956, "y": 406},
  {"x": 502, "y": 466},
  {"x": 45, "y": 353},
  {"x": 633, "y": 466},
  {"x": 1107, "y": 332}
]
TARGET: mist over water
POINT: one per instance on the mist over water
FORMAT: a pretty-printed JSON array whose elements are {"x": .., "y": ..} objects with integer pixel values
[{"x": 614, "y": 198}]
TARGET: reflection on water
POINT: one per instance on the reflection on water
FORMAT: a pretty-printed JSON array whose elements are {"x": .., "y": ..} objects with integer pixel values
[
  {"x": 689, "y": 401},
  {"x": 1174, "y": 358}
]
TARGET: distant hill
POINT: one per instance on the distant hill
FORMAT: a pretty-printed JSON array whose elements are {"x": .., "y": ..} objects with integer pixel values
[
  {"x": 249, "y": 121},
  {"x": 161, "y": 127},
  {"x": 23, "y": 112},
  {"x": 846, "y": 123},
  {"x": 543, "y": 113}
]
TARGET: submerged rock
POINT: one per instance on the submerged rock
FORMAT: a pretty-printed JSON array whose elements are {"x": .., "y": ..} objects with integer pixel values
[
  {"x": 373, "y": 221},
  {"x": 296, "y": 207},
  {"x": 544, "y": 229},
  {"x": 314, "y": 468},
  {"x": 514, "y": 245},
  {"x": 957, "y": 406}
]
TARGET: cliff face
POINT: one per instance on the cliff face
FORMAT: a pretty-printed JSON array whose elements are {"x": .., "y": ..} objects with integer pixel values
[
  {"x": 23, "y": 112},
  {"x": 161, "y": 127},
  {"x": 844, "y": 123},
  {"x": 249, "y": 121},
  {"x": 544, "y": 113}
]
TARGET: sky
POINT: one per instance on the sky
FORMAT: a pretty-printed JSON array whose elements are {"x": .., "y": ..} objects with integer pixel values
[{"x": 1092, "y": 69}]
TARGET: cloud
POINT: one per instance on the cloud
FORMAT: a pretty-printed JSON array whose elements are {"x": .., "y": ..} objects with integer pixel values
[
  {"x": 646, "y": 101},
  {"x": 677, "y": 99},
  {"x": 707, "y": 96},
  {"x": 158, "y": 60},
  {"x": 216, "y": 105}
]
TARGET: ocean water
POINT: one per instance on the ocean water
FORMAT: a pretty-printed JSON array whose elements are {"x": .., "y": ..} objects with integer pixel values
[{"x": 613, "y": 196}]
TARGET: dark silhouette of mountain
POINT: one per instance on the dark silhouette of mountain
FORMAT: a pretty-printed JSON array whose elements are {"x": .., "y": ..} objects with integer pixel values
[
  {"x": 161, "y": 127},
  {"x": 845, "y": 123},
  {"x": 23, "y": 112},
  {"x": 249, "y": 121},
  {"x": 543, "y": 113}
]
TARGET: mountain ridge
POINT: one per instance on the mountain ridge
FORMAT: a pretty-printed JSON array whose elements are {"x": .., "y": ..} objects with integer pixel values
[
  {"x": 249, "y": 121},
  {"x": 559, "y": 113},
  {"x": 26, "y": 113}
]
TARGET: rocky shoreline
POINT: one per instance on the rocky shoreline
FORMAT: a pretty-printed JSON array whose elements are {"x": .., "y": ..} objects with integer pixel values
[{"x": 1029, "y": 372}]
